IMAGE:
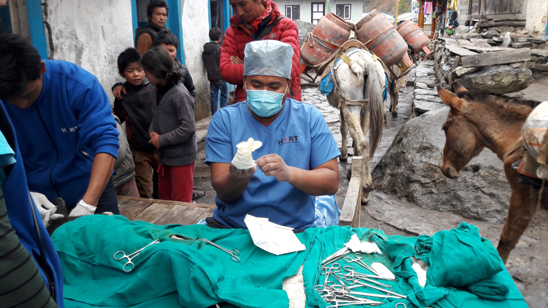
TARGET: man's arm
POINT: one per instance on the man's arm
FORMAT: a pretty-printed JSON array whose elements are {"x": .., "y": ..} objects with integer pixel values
[
  {"x": 101, "y": 171},
  {"x": 228, "y": 181},
  {"x": 232, "y": 73},
  {"x": 322, "y": 180},
  {"x": 143, "y": 43}
]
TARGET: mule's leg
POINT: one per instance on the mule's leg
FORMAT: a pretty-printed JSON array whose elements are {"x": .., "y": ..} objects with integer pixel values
[
  {"x": 344, "y": 135},
  {"x": 394, "y": 96},
  {"x": 522, "y": 209},
  {"x": 352, "y": 115}
]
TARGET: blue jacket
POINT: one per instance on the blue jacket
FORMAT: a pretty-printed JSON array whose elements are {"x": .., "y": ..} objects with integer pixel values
[
  {"x": 19, "y": 208},
  {"x": 63, "y": 131}
]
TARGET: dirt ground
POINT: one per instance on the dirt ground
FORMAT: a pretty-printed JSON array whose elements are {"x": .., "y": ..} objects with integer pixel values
[{"x": 528, "y": 262}]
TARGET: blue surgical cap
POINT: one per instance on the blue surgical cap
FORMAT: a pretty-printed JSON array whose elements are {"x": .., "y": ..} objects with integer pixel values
[{"x": 269, "y": 58}]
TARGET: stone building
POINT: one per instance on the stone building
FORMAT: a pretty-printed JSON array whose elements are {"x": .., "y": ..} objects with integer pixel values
[{"x": 532, "y": 12}]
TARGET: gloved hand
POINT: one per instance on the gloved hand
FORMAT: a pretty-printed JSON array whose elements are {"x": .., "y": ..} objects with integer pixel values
[
  {"x": 82, "y": 209},
  {"x": 45, "y": 208}
]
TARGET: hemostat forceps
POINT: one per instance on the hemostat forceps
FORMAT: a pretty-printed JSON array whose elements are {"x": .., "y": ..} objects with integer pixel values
[
  {"x": 234, "y": 253},
  {"x": 358, "y": 260},
  {"x": 120, "y": 255}
]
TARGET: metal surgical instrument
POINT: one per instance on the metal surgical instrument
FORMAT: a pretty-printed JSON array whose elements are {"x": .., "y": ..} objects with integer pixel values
[
  {"x": 358, "y": 260},
  {"x": 335, "y": 256},
  {"x": 234, "y": 253},
  {"x": 120, "y": 255}
]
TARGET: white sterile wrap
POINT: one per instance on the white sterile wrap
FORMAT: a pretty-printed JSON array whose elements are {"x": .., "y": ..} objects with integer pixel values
[
  {"x": 243, "y": 158},
  {"x": 357, "y": 246}
]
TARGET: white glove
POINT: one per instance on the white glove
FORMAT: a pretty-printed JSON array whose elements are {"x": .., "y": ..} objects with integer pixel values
[
  {"x": 45, "y": 208},
  {"x": 82, "y": 209}
]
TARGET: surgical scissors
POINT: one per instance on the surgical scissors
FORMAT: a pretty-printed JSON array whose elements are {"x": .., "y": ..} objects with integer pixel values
[
  {"x": 358, "y": 260},
  {"x": 234, "y": 253},
  {"x": 129, "y": 264},
  {"x": 352, "y": 276}
]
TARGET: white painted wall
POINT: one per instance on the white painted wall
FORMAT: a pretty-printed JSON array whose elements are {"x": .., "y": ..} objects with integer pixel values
[
  {"x": 195, "y": 23},
  {"x": 91, "y": 34},
  {"x": 306, "y": 7},
  {"x": 536, "y": 11}
]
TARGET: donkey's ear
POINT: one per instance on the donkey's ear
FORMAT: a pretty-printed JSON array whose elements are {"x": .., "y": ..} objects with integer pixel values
[
  {"x": 449, "y": 98},
  {"x": 459, "y": 89}
]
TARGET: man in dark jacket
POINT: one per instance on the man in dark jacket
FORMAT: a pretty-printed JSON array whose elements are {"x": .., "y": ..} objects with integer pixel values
[
  {"x": 157, "y": 11},
  {"x": 211, "y": 57}
]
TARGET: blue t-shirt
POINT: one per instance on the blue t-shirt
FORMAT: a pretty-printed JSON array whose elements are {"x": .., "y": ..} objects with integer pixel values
[{"x": 299, "y": 135}]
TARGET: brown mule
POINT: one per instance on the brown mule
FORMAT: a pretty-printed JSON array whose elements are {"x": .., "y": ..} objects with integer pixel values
[{"x": 478, "y": 121}]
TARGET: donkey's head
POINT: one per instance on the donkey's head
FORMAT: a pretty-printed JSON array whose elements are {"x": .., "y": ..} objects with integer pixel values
[{"x": 462, "y": 141}]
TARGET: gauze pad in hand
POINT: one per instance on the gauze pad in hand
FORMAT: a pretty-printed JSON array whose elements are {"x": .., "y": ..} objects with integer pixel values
[{"x": 243, "y": 158}]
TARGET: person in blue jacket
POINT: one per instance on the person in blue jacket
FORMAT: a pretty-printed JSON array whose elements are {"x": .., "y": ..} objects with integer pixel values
[
  {"x": 29, "y": 249},
  {"x": 298, "y": 156},
  {"x": 66, "y": 132}
]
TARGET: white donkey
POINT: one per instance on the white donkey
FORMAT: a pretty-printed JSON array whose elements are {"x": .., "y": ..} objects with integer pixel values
[{"x": 358, "y": 94}]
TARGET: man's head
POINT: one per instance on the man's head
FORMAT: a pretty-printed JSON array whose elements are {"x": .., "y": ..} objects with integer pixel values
[
  {"x": 167, "y": 40},
  {"x": 267, "y": 76},
  {"x": 248, "y": 10},
  {"x": 157, "y": 12},
  {"x": 215, "y": 34},
  {"x": 21, "y": 74},
  {"x": 129, "y": 66}
]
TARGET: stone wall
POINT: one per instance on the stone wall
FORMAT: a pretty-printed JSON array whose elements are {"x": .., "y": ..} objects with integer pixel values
[
  {"x": 195, "y": 34},
  {"x": 91, "y": 34},
  {"x": 536, "y": 11}
]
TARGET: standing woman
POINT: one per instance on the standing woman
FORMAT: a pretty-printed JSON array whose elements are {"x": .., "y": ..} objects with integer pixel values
[
  {"x": 255, "y": 20},
  {"x": 172, "y": 130}
]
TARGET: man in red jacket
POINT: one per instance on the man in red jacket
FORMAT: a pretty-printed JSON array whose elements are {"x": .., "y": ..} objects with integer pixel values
[{"x": 257, "y": 20}]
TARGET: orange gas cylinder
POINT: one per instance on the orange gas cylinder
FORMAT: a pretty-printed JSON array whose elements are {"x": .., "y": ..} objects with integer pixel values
[
  {"x": 381, "y": 37},
  {"x": 330, "y": 32},
  {"x": 413, "y": 35}
]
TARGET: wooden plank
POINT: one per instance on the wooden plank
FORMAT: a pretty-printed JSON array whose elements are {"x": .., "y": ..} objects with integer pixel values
[
  {"x": 494, "y": 58},
  {"x": 487, "y": 49},
  {"x": 183, "y": 215},
  {"x": 169, "y": 202},
  {"x": 204, "y": 215},
  {"x": 350, "y": 214},
  {"x": 132, "y": 208},
  {"x": 460, "y": 51},
  {"x": 154, "y": 212}
]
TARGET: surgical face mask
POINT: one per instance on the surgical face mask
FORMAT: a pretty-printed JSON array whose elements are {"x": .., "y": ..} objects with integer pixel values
[{"x": 265, "y": 103}]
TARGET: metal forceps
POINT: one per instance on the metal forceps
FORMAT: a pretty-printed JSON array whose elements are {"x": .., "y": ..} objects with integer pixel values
[
  {"x": 120, "y": 255},
  {"x": 234, "y": 253},
  {"x": 358, "y": 260}
]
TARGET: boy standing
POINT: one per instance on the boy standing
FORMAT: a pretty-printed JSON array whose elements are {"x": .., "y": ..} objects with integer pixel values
[
  {"x": 135, "y": 108},
  {"x": 170, "y": 42},
  {"x": 211, "y": 57}
]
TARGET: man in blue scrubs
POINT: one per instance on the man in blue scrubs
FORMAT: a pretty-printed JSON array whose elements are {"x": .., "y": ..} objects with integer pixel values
[
  {"x": 65, "y": 128},
  {"x": 298, "y": 158}
]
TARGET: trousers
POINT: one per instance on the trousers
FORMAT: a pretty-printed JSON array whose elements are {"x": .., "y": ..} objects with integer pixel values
[{"x": 175, "y": 183}]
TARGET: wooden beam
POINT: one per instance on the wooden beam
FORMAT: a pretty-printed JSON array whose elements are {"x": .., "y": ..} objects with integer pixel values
[
  {"x": 350, "y": 214},
  {"x": 460, "y": 51},
  {"x": 490, "y": 24},
  {"x": 494, "y": 58}
]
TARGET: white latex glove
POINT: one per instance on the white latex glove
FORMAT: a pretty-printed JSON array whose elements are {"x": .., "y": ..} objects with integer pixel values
[
  {"x": 45, "y": 208},
  {"x": 82, "y": 209}
]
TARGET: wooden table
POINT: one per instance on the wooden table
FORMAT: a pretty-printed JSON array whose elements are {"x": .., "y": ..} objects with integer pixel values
[{"x": 163, "y": 212}]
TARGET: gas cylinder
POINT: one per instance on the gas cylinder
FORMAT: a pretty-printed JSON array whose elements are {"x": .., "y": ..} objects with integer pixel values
[
  {"x": 414, "y": 36},
  {"x": 381, "y": 37},
  {"x": 330, "y": 32}
]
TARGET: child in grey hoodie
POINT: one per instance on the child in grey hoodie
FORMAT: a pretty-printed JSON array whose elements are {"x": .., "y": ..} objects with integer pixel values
[{"x": 172, "y": 130}]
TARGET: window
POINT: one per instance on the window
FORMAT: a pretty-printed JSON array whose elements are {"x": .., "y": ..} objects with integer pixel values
[
  {"x": 293, "y": 11},
  {"x": 318, "y": 11},
  {"x": 344, "y": 11}
]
